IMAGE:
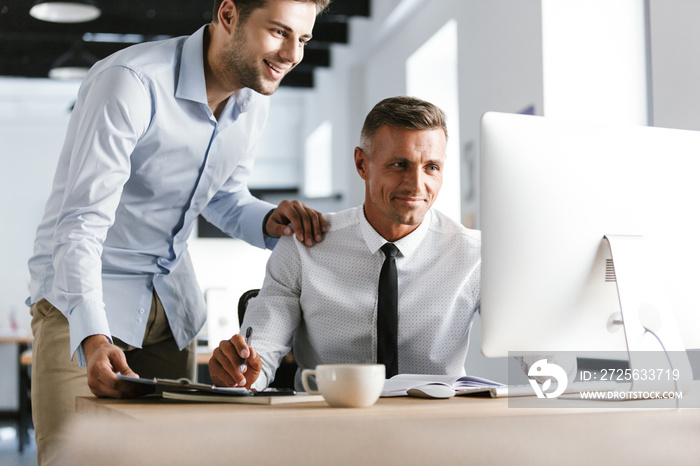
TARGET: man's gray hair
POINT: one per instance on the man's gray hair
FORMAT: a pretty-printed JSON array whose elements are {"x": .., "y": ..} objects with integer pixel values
[{"x": 402, "y": 112}]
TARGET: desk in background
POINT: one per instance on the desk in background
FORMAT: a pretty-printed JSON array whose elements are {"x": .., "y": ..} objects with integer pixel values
[
  {"x": 23, "y": 415},
  {"x": 203, "y": 356},
  {"x": 456, "y": 431}
]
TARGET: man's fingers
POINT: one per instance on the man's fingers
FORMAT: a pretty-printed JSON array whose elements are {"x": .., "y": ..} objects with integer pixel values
[
  {"x": 239, "y": 344},
  {"x": 219, "y": 376},
  {"x": 103, "y": 381},
  {"x": 123, "y": 388},
  {"x": 301, "y": 223},
  {"x": 119, "y": 364},
  {"x": 225, "y": 361},
  {"x": 309, "y": 221},
  {"x": 104, "y": 361},
  {"x": 253, "y": 368},
  {"x": 294, "y": 212},
  {"x": 308, "y": 224},
  {"x": 318, "y": 224}
]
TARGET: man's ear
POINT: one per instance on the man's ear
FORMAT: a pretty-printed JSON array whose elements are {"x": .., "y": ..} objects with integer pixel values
[
  {"x": 228, "y": 15},
  {"x": 361, "y": 162}
]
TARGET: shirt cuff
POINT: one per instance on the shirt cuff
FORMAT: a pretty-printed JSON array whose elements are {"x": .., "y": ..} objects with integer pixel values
[
  {"x": 252, "y": 220},
  {"x": 270, "y": 242},
  {"x": 86, "y": 319},
  {"x": 264, "y": 222},
  {"x": 261, "y": 383}
]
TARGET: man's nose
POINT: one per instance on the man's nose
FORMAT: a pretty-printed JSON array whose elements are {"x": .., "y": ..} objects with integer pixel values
[
  {"x": 292, "y": 51},
  {"x": 413, "y": 179}
]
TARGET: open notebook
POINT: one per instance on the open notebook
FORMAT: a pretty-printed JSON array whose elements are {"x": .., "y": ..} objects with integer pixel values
[{"x": 400, "y": 384}]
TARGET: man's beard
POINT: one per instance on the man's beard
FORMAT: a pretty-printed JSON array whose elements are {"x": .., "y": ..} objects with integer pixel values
[{"x": 244, "y": 68}]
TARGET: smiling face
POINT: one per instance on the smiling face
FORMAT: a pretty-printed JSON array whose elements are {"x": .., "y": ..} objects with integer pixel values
[
  {"x": 402, "y": 169},
  {"x": 267, "y": 44}
]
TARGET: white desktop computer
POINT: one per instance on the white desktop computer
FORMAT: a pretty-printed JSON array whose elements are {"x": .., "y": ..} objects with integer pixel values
[{"x": 590, "y": 240}]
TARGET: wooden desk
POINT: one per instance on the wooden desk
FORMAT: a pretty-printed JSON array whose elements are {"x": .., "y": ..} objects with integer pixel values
[
  {"x": 456, "y": 431},
  {"x": 203, "y": 358}
]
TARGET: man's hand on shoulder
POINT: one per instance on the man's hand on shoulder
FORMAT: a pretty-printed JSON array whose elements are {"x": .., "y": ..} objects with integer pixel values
[
  {"x": 308, "y": 224},
  {"x": 104, "y": 360}
]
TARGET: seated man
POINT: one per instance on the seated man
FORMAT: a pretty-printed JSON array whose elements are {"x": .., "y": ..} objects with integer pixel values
[{"x": 334, "y": 303}]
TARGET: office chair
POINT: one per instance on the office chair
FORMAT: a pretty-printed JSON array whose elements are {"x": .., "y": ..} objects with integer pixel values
[{"x": 284, "y": 376}]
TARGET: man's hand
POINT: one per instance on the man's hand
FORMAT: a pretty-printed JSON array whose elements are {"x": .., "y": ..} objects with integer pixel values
[
  {"x": 308, "y": 224},
  {"x": 104, "y": 360},
  {"x": 224, "y": 365}
]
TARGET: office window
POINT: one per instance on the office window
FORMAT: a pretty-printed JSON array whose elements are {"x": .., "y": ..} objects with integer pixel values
[
  {"x": 318, "y": 174},
  {"x": 595, "y": 60},
  {"x": 431, "y": 74}
]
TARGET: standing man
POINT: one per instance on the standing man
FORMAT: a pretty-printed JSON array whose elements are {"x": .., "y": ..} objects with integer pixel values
[
  {"x": 160, "y": 133},
  {"x": 394, "y": 281}
]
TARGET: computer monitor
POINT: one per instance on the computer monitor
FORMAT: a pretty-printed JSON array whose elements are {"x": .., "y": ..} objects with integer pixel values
[{"x": 590, "y": 237}]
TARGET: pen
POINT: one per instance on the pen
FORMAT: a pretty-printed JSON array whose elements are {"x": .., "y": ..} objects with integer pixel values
[{"x": 244, "y": 361}]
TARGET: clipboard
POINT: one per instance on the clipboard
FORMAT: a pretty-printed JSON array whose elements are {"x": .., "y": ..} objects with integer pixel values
[{"x": 187, "y": 386}]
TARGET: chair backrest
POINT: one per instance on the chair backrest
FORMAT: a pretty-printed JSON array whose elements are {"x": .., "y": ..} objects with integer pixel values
[
  {"x": 284, "y": 376},
  {"x": 243, "y": 303}
]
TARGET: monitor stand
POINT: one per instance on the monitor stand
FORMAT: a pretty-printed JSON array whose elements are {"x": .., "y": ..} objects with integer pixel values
[{"x": 657, "y": 357}]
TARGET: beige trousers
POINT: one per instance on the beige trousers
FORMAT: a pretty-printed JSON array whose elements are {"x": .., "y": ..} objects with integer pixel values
[{"x": 57, "y": 380}]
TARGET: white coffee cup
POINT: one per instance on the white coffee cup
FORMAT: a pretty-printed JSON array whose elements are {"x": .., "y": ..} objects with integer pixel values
[{"x": 347, "y": 385}]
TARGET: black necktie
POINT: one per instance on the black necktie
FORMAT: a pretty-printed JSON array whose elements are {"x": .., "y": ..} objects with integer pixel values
[{"x": 388, "y": 313}]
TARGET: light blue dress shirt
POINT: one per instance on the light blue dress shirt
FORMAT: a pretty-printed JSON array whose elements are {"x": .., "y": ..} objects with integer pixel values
[{"x": 143, "y": 157}]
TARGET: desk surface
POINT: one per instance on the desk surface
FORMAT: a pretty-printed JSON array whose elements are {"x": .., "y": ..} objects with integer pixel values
[
  {"x": 394, "y": 431},
  {"x": 15, "y": 339}
]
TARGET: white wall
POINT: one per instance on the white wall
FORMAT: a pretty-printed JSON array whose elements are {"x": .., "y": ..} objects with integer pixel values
[
  {"x": 33, "y": 119},
  {"x": 442, "y": 89},
  {"x": 278, "y": 164}
]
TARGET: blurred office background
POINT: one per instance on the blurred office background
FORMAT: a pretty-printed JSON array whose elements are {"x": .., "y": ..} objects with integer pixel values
[{"x": 626, "y": 61}]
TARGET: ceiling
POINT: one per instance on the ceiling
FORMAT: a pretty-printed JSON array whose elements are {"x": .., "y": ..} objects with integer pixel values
[{"x": 28, "y": 47}]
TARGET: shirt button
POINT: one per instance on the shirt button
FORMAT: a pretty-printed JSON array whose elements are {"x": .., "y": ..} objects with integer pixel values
[
  {"x": 139, "y": 320},
  {"x": 141, "y": 311}
]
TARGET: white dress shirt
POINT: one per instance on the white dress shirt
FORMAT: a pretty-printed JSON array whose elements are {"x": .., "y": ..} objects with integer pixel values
[
  {"x": 323, "y": 300},
  {"x": 143, "y": 157}
]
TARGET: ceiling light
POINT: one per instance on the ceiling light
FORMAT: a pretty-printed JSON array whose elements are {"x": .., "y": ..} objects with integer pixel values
[
  {"x": 74, "y": 64},
  {"x": 73, "y": 11}
]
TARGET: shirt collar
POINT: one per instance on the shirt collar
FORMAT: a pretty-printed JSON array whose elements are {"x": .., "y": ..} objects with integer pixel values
[
  {"x": 406, "y": 245},
  {"x": 243, "y": 98},
  {"x": 191, "y": 84}
]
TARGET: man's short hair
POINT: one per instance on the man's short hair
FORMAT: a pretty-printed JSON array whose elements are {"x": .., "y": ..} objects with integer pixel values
[
  {"x": 402, "y": 112},
  {"x": 246, "y": 7}
]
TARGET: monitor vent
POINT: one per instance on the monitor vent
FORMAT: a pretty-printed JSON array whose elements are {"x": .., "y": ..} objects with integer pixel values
[{"x": 610, "y": 271}]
